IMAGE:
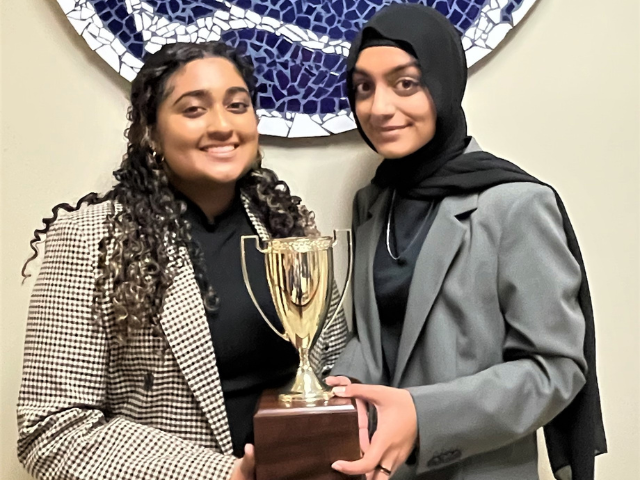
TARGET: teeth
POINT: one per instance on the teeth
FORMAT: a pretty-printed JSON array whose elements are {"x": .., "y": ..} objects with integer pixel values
[{"x": 221, "y": 149}]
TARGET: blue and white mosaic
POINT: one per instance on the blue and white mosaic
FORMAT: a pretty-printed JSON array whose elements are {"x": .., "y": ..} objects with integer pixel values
[{"x": 299, "y": 47}]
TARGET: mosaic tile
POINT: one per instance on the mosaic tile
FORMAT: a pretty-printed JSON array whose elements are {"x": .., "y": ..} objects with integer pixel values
[{"x": 299, "y": 47}]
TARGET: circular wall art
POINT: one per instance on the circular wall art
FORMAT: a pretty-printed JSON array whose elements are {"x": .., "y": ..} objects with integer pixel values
[{"x": 299, "y": 47}]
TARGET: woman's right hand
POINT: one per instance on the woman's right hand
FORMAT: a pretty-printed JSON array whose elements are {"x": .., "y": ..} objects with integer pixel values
[
  {"x": 245, "y": 467},
  {"x": 361, "y": 407}
]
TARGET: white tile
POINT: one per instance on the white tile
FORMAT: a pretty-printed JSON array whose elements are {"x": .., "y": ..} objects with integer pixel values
[
  {"x": 253, "y": 16},
  {"x": 132, "y": 61},
  {"x": 127, "y": 72},
  {"x": 271, "y": 22},
  {"x": 222, "y": 15},
  {"x": 303, "y": 126},
  {"x": 213, "y": 37},
  {"x": 224, "y": 25},
  {"x": 93, "y": 29},
  {"x": 339, "y": 124},
  {"x": 146, "y": 35},
  {"x": 497, "y": 34},
  {"x": 67, "y": 5},
  {"x": 119, "y": 48},
  {"x": 86, "y": 13},
  {"x": 494, "y": 15},
  {"x": 313, "y": 45},
  {"x": 79, "y": 25},
  {"x": 110, "y": 56},
  {"x": 146, "y": 21},
  {"x": 276, "y": 127},
  {"x": 192, "y": 29},
  {"x": 152, "y": 47},
  {"x": 304, "y": 34},
  {"x": 91, "y": 40},
  {"x": 236, "y": 12},
  {"x": 137, "y": 18},
  {"x": 237, "y": 24}
]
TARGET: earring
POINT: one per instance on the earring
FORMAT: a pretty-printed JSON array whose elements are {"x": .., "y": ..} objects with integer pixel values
[{"x": 159, "y": 159}]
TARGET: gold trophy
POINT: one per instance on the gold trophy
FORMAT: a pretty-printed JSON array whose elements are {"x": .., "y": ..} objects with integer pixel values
[
  {"x": 300, "y": 278},
  {"x": 301, "y": 431}
]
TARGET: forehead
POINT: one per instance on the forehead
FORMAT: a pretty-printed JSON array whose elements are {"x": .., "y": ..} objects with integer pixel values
[
  {"x": 214, "y": 74},
  {"x": 374, "y": 60}
]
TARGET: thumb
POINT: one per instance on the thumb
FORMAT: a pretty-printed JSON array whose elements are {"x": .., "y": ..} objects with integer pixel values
[{"x": 248, "y": 464}]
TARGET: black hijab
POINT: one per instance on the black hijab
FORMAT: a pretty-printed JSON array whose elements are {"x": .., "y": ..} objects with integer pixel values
[{"x": 441, "y": 168}]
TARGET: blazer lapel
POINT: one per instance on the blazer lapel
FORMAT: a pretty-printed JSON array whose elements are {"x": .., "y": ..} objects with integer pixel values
[
  {"x": 435, "y": 257},
  {"x": 367, "y": 236}
]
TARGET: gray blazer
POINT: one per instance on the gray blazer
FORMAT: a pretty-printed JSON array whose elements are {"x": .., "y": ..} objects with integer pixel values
[{"x": 492, "y": 342}]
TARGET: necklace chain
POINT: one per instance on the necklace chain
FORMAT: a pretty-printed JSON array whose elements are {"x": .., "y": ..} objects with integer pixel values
[{"x": 393, "y": 201}]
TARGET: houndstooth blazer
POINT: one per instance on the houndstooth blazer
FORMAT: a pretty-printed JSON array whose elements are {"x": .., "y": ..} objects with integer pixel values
[{"x": 92, "y": 408}]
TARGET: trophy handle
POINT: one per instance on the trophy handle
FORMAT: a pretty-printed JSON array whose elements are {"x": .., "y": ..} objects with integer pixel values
[
  {"x": 349, "y": 270},
  {"x": 245, "y": 276}
]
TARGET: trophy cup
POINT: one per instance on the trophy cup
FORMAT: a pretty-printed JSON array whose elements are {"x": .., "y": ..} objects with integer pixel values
[{"x": 300, "y": 431}]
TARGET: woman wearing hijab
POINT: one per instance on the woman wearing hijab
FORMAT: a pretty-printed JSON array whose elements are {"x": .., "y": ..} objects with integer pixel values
[{"x": 473, "y": 324}]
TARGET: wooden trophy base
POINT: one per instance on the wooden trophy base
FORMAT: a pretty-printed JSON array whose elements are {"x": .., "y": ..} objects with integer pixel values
[{"x": 300, "y": 443}]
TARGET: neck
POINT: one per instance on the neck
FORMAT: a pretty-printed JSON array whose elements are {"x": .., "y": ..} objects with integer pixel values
[{"x": 212, "y": 200}]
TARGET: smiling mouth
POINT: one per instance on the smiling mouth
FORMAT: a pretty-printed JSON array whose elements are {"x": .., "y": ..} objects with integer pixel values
[
  {"x": 220, "y": 151},
  {"x": 391, "y": 129}
]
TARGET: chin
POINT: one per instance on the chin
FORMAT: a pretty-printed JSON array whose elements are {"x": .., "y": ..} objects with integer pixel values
[{"x": 392, "y": 153}]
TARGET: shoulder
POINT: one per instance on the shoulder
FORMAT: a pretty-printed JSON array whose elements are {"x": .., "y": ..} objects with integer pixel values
[
  {"x": 88, "y": 223},
  {"x": 509, "y": 197}
]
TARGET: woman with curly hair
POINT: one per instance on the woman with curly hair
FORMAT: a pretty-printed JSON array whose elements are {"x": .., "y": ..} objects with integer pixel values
[{"x": 144, "y": 355}]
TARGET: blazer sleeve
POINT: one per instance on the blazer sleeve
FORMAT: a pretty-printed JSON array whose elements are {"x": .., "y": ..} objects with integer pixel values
[
  {"x": 65, "y": 430},
  {"x": 544, "y": 367}
]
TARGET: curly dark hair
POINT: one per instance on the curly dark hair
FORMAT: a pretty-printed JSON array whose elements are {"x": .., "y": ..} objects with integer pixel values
[{"x": 138, "y": 255}]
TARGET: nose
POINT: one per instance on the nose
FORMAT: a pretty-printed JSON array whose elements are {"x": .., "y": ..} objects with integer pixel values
[
  {"x": 382, "y": 106},
  {"x": 219, "y": 124}
]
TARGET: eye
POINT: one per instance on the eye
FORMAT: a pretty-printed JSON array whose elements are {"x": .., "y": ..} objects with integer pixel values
[
  {"x": 363, "y": 88},
  {"x": 407, "y": 84},
  {"x": 239, "y": 106},
  {"x": 193, "y": 111}
]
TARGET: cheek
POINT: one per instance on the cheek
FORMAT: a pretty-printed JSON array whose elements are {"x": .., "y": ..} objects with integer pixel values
[
  {"x": 362, "y": 112},
  {"x": 177, "y": 134}
]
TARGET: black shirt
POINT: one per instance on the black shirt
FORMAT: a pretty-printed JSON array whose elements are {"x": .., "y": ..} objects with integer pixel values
[
  {"x": 249, "y": 355},
  {"x": 410, "y": 224}
]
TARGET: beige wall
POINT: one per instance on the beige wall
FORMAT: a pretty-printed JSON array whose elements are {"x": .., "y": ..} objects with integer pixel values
[{"x": 561, "y": 99}]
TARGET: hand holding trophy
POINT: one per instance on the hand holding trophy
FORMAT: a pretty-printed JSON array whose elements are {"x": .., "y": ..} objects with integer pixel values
[{"x": 300, "y": 431}]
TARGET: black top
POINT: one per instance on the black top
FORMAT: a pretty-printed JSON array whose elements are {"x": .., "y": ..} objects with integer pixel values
[
  {"x": 250, "y": 357},
  {"x": 410, "y": 224}
]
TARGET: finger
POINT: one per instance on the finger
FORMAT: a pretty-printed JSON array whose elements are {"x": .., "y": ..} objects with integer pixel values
[
  {"x": 249, "y": 459},
  {"x": 337, "y": 381},
  {"x": 365, "y": 465},
  {"x": 363, "y": 425},
  {"x": 371, "y": 393}
]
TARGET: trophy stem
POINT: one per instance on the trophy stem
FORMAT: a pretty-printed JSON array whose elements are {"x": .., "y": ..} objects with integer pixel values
[{"x": 306, "y": 387}]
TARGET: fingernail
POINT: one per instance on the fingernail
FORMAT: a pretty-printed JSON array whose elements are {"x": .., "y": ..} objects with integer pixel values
[
  {"x": 339, "y": 390},
  {"x": 335, "y": 465}
]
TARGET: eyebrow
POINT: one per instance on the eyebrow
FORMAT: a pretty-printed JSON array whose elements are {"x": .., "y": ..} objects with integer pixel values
[
  {"x": 412, "y": 63},
  {"x": 204, "y": 93}
]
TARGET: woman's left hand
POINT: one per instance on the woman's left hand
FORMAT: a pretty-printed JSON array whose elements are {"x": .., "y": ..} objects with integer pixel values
[{"x": 395, "y": 436}]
